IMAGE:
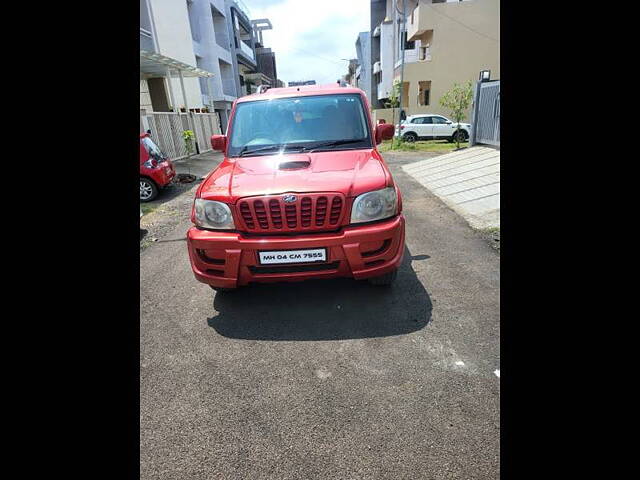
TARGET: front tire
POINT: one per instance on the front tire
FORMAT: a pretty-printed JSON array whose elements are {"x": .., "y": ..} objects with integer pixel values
[
  {"x": 410, "y": 137},
  {"x": 148, "y": 190},
  {"x": 384, "y": 280},
  {"x": 463, "y": 136}
]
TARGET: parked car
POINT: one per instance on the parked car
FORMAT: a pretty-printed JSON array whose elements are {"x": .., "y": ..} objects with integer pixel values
[
  {"x": 432, "y": 127},
  {"x": 302, "y": 193},
  {"x": 156, "y": 170}
]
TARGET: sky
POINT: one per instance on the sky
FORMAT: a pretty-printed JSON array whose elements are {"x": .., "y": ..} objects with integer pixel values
[{"x": 310, "y": 37}]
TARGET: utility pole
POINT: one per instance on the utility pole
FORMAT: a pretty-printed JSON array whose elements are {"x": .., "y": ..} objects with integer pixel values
[{"x": 400, "y": 41}]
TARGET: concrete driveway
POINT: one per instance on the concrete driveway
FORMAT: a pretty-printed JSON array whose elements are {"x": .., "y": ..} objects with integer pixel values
[
  {"x": 467, "y": 180},
  {"x": 328, "y": 379}
]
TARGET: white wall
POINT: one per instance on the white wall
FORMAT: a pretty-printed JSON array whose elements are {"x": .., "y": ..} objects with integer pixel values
[
  {"x": 386, "y": 60},
  {"x": 171, "y": 19}
]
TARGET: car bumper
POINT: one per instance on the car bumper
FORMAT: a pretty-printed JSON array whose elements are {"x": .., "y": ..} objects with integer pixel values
[
  {"x": 229, "y": 260},
  {"x": 164, "y": 175}
]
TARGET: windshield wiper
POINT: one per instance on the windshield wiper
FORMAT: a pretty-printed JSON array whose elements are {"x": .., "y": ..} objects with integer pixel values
[
  {"x": 333, "y": 144},
  {"x": 244, "y": 151}
]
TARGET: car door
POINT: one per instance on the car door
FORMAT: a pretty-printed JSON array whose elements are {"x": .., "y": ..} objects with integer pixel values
[
  {"x": 424, "y": 127},
  {"x": 442, "y": 128}
]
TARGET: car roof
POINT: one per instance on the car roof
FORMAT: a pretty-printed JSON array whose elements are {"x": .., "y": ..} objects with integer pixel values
[{"x": 300, "y": 91}]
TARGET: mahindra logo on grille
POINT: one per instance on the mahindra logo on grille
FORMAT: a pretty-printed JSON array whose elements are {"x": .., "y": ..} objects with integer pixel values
[{"x": 289, "y": 198}]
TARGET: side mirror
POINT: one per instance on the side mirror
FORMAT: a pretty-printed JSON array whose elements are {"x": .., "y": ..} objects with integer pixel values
[
  {"x": 384, "y": 131},
  {"x": 219, "y": 142},
  {"x": 449, "y": 122}
]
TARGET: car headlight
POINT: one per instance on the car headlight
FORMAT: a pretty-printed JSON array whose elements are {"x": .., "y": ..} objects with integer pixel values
[
  {"x": 374, "y": 205},
  {"x": 212, "y": 214}
]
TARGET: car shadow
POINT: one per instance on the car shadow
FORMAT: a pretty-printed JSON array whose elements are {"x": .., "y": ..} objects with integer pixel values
[{"x": 336, "y": 309}]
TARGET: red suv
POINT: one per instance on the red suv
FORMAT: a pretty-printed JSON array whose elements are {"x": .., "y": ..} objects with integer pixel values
[
  {"x": 156, "y": 170},
  {"x": 302, "y": 193}
]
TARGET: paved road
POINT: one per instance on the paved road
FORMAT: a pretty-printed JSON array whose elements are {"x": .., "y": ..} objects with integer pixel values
[{"x": 326, "y": 379}]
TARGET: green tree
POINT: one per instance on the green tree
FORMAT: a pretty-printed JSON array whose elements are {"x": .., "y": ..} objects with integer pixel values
[
  {"x": 393, "y": 101},
  {"x": 188, "y": 137},
  {"x": 457, "y": 101}
]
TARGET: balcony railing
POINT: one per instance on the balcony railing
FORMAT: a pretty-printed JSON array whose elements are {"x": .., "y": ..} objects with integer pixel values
[
  {"x": 247, "y": 50},
  {"x": 244, "y": 8}
]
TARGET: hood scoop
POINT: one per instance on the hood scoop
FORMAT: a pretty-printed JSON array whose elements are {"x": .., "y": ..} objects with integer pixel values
[{"x": 294, "y": 165}]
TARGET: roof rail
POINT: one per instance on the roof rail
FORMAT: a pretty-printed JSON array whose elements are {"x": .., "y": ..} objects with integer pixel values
[{"x": 262, "y": 88}]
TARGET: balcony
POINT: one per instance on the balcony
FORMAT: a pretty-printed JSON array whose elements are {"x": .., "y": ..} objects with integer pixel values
[
  {"x": 414, "y": 29},
  {"x": 243, "y": 8},
  {"x": 247, "y": 51}
]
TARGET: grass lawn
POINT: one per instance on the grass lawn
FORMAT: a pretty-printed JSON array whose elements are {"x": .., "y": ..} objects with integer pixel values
[{"x": 421, "y": 146}]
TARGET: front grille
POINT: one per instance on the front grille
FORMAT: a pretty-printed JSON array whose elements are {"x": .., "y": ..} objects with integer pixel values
[{"x": 309, "y": 212}]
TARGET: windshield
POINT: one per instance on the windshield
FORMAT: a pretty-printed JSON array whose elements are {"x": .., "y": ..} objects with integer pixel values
[
  {"x": 335, "y": 122},
  {"x": 152, "y": 149}
]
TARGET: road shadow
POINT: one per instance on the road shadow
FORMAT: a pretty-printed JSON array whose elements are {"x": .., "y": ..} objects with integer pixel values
[
  {"x": 337, "y": 309},
  {"x": 170, "y": 192}
]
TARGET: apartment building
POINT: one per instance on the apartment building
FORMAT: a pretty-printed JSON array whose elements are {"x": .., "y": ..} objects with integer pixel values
[
  {"x": 382, "y": 51},
  {"x": 350, "y": 77},
  {"x": 444, "y": 42},
  {"x": 215, "y": 36},
  {"x": 242, "y": 45},
  {"x": 267, "y": 71},
  {"x": 363, "y": 69},
  {"x": 164, "y": 29}
]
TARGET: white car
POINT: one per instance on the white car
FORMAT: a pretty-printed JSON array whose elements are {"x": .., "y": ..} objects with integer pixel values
[{"x": 432, "y": 127}]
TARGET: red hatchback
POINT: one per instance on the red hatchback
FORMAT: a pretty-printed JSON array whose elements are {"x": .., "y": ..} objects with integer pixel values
[
  {"x": 302, "y": 193},
  {"x": 156, "y": 170}
]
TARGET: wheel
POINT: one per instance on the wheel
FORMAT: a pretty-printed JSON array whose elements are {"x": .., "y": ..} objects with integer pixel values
[
  {"x": 410, "y": 137},
  {"x": 148, "y": 190},
  {"x": 221, "y": 289},
  {"x": 463, "y": 136},
  {"x": 386, "y": 279}
]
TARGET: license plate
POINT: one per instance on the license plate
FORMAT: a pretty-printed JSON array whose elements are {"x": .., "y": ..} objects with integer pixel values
[{"x": 293, "y": 256}]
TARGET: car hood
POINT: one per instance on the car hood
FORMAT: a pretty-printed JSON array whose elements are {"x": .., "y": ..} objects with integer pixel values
[{"x": 350, "y": 172}]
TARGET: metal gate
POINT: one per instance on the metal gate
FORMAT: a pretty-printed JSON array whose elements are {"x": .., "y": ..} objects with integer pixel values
[
  {"x": 167, "y": 128},
  {"x": 485, "y": 122}
]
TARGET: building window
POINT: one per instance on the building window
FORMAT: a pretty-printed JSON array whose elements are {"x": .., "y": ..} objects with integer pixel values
[
  {"x": 407, "y": 45},
  {"x": 425, "y": 53},
  {"x": 424, "y": 93}
]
